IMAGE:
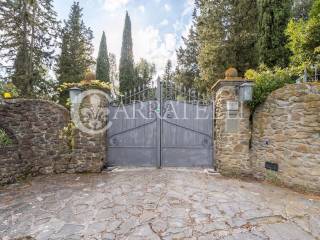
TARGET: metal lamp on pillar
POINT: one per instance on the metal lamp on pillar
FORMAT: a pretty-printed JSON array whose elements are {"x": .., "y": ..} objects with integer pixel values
[
  {"x": 74, "y": 93},
  {"x": 246, "y": 91}
]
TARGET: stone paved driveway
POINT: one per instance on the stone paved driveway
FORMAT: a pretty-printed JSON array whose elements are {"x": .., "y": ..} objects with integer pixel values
[{"x": 155, "y": 204}]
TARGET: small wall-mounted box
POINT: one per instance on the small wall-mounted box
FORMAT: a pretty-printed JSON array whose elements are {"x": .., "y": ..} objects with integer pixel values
[{"x": 272, "y": 166}]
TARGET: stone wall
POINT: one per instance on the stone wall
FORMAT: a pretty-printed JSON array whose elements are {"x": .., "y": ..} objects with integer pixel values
[
  {"x": 286, "y": 131},
  {"x": 38, "y": 148},
  {"x": 232, "y": 130}
]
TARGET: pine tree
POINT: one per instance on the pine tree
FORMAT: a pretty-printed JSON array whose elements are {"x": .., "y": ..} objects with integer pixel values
[
  {"x": 126, "y": 68},
  {"x": 28, "y": 34},
  {"x": 76, "y": 48},
  {"x": 168, "y": 73},
  {"x": 226, "y": 33},
  {"x": 103, "y": 66},
  {"x": 187, "y": 71},
  {"x": 273, "y": 20}
]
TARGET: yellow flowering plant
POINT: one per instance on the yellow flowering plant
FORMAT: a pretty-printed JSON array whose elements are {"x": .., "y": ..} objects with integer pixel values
[
  {"x": 86, "y": 85},
  {"x": 8, "y": 90}
]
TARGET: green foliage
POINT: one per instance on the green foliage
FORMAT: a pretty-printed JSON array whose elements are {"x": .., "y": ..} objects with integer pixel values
[
  {"x": 188, "y": 72},
  {"x": 227, "y": 35},
  {"x": 76, "y": 48},
  {"x": 144, "y": 72},
  {"x": 304, "y": 39},
  {"x": 126, "y": 68},
  {"x": 273, "y": 20},
  {"x": 8, "y": 88},
  {"x": 168, "y": 72},
  {"x": 68, "y": 134},
  {"x": 266, "y": 81},
  {"x": 5, "y": 140},
  {"x": 28, "y": 39},
  {"x": 103, "y": 66},
  {"x": 86, "y": 85},
  {"x": 301, "y": 8}
]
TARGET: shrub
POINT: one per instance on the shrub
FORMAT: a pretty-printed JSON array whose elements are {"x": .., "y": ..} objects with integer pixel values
[
  {"x": 7, "y": 89},
  {"x": 267, "y": 81},
  {"x": 86, "y": 85},
  {"x": 5, "y": 140}
]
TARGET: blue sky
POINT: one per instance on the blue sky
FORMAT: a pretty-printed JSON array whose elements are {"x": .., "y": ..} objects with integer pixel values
[{"x": 157, "y": 25}]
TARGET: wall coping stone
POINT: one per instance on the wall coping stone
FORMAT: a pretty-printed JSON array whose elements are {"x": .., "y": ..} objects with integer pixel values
[{"x": 23, "y": 100}]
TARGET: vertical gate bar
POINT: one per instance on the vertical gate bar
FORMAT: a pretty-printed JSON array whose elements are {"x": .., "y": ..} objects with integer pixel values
[{"x": 159, "y": 121}]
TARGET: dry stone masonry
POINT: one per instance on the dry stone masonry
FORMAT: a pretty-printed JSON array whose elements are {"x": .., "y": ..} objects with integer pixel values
[
  {"x": 38, "y": 148},
  {"x": 286, "y": 132},
  {"x": 281, "y": 143}
]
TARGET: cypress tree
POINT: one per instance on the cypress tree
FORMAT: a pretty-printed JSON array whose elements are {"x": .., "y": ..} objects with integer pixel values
[
  {"x": 273, "y": 20},
  {"x": 103, "y": 66},
  {"x": 28, "y": 34},
  {"x": 126, "y": 68},
  {"x": 76, "y": 48}
]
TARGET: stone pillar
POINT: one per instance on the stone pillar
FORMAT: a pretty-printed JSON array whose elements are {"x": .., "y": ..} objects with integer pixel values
[{"x": 232, "y": 127}]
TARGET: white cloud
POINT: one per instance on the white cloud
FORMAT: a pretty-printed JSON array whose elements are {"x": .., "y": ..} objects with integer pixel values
[
  {"x": 149, "y": 44},
  {"x": 188, "y": 8},
  {"x": 112, "y": 5},
  {"x": 167, "y": 7},
  {"x": 142, "y": 8},
  {"x": 164, "y": 22},
  {"x": 170, "y": 41}
]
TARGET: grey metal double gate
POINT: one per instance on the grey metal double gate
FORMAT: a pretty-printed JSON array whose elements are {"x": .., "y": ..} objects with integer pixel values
[{"x": 164, "y": 126}]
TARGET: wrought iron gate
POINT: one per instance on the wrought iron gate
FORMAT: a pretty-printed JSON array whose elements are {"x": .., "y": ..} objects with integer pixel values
[{"x": 163, "y": 126}]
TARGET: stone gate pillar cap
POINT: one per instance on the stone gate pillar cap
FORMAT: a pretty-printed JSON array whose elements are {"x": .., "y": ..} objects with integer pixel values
[{"x": 231, "y": 73}]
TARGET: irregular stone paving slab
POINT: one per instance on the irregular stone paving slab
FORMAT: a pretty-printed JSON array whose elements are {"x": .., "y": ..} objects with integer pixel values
[{"x": 155, "y": 204}]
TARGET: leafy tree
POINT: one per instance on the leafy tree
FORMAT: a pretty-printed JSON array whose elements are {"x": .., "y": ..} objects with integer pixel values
[
  {"x": 227, "y": 36},
  {"x": 126, "y": 68},
  {"x": 144, "y": 72},
  {"x": 103, "y": 66},
  {"x": 76, "y": 48},
  {"x": 28, "y": 34},
  {"x": 273, "y": 20},
  {"x": 187, "y": 71},
  {"x": 304, "y": 38}
]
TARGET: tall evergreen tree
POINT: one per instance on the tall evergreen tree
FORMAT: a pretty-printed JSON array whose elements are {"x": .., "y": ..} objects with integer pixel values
[
  {"x": 103, "y": 66},
  {"x": 126, "y": 68},
  {"x": 187, "y": 71},
  {"x": 168, "y": 72},
  {"x": 28, "y": 33},
  {"x": 273, "y": 20},
  {"x": 227, "y": 33},
  {"x": 76, "y": 48}
]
